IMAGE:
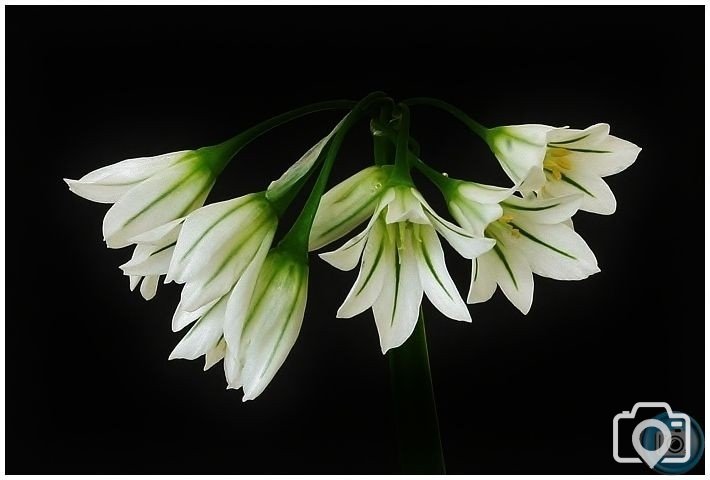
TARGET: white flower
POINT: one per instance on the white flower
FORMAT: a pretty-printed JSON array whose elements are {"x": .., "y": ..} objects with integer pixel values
[
  {"x": 532, "y": 236},
  {"x": 576, "y": 160},
  {"x": 347, "y": 205},
  {"x": 216, "y": 245},
  {"x": 520, "y": 150},
  {"x": 475, "y": 205},
  {"x": 402, "y": 259},
  {"x": 147, "y": 192},
  {"x": 263, "y": 318},
  {"x": 151, "y": 196},
  {"x": 555, "y": 162}
]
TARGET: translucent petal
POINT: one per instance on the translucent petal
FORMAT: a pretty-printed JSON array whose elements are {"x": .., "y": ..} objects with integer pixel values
[
  {"x": 275, "y": 317},
  {"x": 372, "y": 271},
  {"x": 396, "y": 310},
  {"x": 435, "y": 279},
  {"x": 154, "y": 202},
  {"x": 204, "y": 334},
  {"x": 149, "y": 286},
  {"x": 554, "y": 251},
  {"x": 347, "y": 205}
]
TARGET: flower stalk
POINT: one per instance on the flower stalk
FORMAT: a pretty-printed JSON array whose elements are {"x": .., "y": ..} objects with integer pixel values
[{"x": 417, "y": 423}]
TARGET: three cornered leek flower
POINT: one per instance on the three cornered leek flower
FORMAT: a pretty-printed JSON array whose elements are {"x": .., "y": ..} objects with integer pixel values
[
  {"x": 402, "y": 257},
  {"x": 556, "y": 162},
  {"x": 150, "y": 197},
  {"x": 220, "y": 253},
  {"x": 244, "y": 291},
  {"x": 532, "y": 236}
]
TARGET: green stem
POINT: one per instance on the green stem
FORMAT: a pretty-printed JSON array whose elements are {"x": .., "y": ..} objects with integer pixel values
[
  {"x": 479, "y": 129},
  {"x": 382, "y": 146},
  {"x": 401, "y": 161},
  {"x": 219, "y": 155},
  {"x": 446, "y": 185},
  {"x": 296, "y": 240},
  {"x": 420, "y": 450}
]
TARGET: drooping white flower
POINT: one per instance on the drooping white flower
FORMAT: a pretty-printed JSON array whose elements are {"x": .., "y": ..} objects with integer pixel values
[
  {"x": 263, "y": 318},
  {"x": 520, "y": 149},
  {"x": 555, "y": 162},
  {"x": 147, "y": 192},
  {"x": 347, "y": 205},
  {"x": 532, "y": 236},
  {"x": 576, "y": 161},
  {"x": 216, "y": 245},
  {"x": 402, "y": 259},
  {"x": 475, "y": 205},
  {"x": 151, "y": 196}
]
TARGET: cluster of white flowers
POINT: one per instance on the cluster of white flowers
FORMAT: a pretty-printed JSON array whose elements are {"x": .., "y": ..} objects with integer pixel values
[{"x": 245, "y": 295}]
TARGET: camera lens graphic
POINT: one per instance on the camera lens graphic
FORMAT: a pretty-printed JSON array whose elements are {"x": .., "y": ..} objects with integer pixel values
[
  {"x": 677, "y": 444},
  {"x": 652, "y": 439}
]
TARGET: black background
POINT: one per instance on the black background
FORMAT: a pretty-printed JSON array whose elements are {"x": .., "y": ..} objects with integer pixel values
[{"x": 89, "y": 388}]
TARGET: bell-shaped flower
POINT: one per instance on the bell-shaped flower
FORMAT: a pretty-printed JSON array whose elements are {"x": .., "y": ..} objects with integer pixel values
[
  {"x": 520, "y": 149},
  {"x": 576, "y": 161},
  {"x": 216, "y": 245},
  {"x": 475, "y": 205},
  {"x": 263, "y": 318},
  {"x": 347, "y": 205},
  {"x": 402, "y": 259},
  {"x": 532, "y": 236},
  {"x": 149, "y": 192},
  {"x": 150, "y": 196}
]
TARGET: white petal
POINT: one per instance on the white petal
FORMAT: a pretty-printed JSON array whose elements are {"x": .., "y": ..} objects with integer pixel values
[
  {"x": 237, "y": 310},
  {"x": 573, "y": 138},
  {"x": 512, "y": 272},
  {"x": 154, "y": 202},
  {"x": 215, "y": 354},
  {"x": 520, "y": 149},
  {"x": 97, "y": 192},
  {"x": 233, "y": 369},
  {"x": 108, "y": 184},
  {"x": 435, "y": 279},
  {"x": 396, "y": 310},
  {"x": 212, "y": 231},
  {"x": 481, "y": 193},
  {"x": 149, "y": 286},
  {"x": 134, "y": 169},
  {"x": 623, "y": 156},
  {"x": 347, "y": 205},
  {"x": 204, "y": 334},
  {"x": 278, "y": 187},
  {"x": 227, "y": 270},
  {"x": 372, "y": 270},
  {"x": 608, "y": 157},
  {"x": 163, "y": 235},
  {"x": 275, "y": 318},
  {"x": 474, "y": 217},
  {"x": 483, "y": 279},
  {"x": 554, "y": 251},
  {"x": 182, "y": 318},
  {"x": 154, "y": 264},
  {"x": 463, "y": 242},
  {"x": 543, "y": 210},
  {"x": 598, "y": 197},
  {"x": 133, "y": 281},
  {"x": 405, "y": 206},
  {"x": 347, "y": 256}
]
